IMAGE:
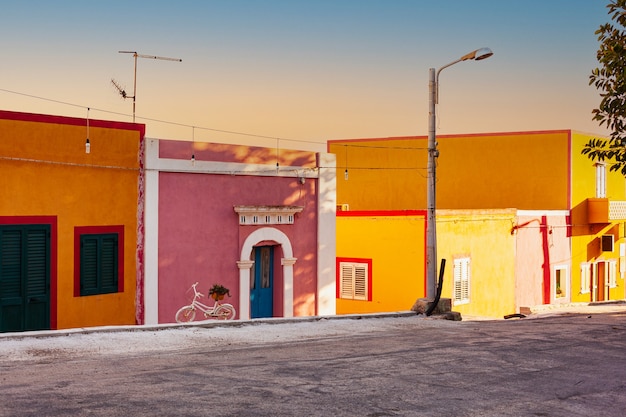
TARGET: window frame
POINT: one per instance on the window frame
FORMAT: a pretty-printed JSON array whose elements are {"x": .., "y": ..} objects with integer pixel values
[
  {"x": 366, "y": 266},
  {"x": 600, "y": 180},
  {"x": 563, "y": 271},
  {"x": 98, "y": 231}
]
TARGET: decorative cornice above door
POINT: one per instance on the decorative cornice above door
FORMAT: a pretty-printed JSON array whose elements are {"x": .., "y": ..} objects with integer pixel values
[{"x": 263, "y": 215}]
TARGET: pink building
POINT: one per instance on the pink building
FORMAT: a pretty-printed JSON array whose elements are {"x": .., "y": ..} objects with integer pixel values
[
  {"x": 542, "y": 258},
  {"x": 260, "y": 223}
]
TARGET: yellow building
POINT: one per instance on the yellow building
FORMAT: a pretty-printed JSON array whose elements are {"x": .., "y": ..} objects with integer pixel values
[
  {"x": 542, "y": 174},
  {"x": 69, "y": 222},
  {"x": 380, "y": 260}
]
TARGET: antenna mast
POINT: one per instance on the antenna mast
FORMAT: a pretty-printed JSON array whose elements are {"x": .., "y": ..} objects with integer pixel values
[{"x": 135, "y": 56}]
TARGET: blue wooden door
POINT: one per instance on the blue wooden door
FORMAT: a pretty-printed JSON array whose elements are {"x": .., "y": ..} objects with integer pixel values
[{"x": 261, "y": 285}]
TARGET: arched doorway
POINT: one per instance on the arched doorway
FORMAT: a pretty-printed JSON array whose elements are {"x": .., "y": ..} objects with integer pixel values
[{"x": 250, "y": 266}]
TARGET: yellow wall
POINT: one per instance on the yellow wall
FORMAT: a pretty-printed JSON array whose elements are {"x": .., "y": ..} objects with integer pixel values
[
  {"x": 45, "y": 171},
  {"x": 520, "y": 170},
  {"x": 396, "y": 245},
  {"x": 485, "y": 237},
  {"x": 529, "y": 170},
  {"x": 585, "y": 236}
]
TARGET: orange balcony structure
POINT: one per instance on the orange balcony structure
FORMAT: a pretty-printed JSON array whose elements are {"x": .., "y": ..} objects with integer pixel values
[{"x": 603, "y": 210}]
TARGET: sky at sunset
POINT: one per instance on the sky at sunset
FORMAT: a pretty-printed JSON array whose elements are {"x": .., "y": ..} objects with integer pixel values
[{"x": 303, "y": 72}]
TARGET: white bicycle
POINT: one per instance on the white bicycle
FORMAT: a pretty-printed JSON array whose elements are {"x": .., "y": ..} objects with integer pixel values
[{"x": 219, "y": 311}]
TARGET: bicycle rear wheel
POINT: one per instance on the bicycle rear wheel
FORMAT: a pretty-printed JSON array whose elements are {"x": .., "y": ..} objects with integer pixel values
[
  {"x": 225, "y": 312},
  {"x": 185, "y": 314}
]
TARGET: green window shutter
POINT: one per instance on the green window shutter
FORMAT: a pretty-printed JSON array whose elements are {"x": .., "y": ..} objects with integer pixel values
[
  {"x": 88, "y": 264},
  {"x": 98, "y": 264},
  {"x": 10, "y": 263},
  {"x": 24, "y": 277},
  {"x": 108, "y": 263},
  {"x": 37, "y": 266}
]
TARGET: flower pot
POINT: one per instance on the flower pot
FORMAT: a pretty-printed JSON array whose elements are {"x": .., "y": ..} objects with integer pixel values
[{"x": 217, "y": 296}]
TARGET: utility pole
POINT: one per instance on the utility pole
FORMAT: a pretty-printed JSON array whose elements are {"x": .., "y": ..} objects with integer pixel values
[
  {"x": 433, "y": 154},
  {"x": 135, "y": 56}
]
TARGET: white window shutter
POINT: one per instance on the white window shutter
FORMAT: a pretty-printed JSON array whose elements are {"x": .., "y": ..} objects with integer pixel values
[
  {"x": 360, "y": 282},
  {"x": 354, "y": 281},
  {"x": 347, "y": 280},
  {"x": 461, "y": 272}
]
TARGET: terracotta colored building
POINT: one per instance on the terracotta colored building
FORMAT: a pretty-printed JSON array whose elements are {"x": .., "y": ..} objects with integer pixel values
[{"x": 70, "y": 246}]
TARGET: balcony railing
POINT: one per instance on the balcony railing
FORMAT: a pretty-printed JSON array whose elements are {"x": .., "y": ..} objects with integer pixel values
[{"x": 603, "y": 210}]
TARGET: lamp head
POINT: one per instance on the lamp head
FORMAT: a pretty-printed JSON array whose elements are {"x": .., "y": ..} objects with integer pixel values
[{"x": 478, "y": 55}]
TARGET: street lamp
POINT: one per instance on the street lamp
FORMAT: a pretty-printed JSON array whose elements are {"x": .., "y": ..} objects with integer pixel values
[{"x": 433, "y": 153}]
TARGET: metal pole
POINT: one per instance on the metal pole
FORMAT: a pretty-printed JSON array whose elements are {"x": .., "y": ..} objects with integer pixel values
[
  {"x": 135, "y": 56},
  {"x": 431, "y": 226},
  {"x": 433, "y": 154}
]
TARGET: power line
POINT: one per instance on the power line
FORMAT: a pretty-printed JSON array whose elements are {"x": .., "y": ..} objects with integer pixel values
[{"x": 229, "y": 132}]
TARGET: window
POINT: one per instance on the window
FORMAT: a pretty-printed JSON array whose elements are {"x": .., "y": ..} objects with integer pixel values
[
  {"x": 461, "y": 271},
  {"x": 355, "y": 279},
  {"x": 585, "y": 277},
  {"x": 99, "y": 262},
  {"x": 600, "y": 181},
  {"x": 561, "y": 280}
]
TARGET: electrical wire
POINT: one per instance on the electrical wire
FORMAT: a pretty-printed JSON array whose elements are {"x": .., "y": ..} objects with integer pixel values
[{"x": 230, "y": 132}]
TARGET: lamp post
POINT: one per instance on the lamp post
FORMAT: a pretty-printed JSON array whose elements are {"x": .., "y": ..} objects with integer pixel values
[{"x": 433, "y": 153}]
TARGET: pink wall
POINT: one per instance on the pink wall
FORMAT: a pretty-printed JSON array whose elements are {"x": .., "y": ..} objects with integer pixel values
[
  {"x": 542, "y": 243},
  {"x": 200, "y": 238},
  {"x": 235, "y": 153}
]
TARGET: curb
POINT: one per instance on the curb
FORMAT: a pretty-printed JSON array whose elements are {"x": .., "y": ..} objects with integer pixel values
[{"x": 202, "y": 324}]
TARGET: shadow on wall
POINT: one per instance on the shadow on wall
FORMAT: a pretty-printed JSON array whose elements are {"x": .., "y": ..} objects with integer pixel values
[
  {"x": 217, "y": 152},
  {"x": 582, "y": 227}
]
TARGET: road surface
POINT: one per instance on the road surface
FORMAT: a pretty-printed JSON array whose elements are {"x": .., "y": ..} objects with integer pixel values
[{"x": 566, "y": 363}]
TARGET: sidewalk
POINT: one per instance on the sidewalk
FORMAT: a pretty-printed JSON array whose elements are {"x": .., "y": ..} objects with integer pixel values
[
  {"x": 201, "y": 324},
  {"x": 537, "y": 312}
]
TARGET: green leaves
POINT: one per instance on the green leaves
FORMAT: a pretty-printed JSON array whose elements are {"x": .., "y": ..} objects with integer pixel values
[{"x": 610, "y": 80}]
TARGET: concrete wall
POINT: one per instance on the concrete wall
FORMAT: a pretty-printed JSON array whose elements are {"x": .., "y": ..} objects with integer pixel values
[
  {"x": 47, "y": 174},
  {"x": 542, "y": 248},
  {"x": 197, "y": 236},
  {"x": 485, "y": 237},
  {"x": 395, "y": 243},
  {"x": 586, "y": 250},
  {"x": 525, "y": 170}
]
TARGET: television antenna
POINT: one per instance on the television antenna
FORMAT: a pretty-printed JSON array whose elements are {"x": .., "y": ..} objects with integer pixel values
[{"x": 135, "y": 56}]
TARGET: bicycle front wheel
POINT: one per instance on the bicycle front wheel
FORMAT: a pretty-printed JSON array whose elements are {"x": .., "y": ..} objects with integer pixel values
[
  {"x": 185, "y": 314},
  {"x": 225, "y": 312}
]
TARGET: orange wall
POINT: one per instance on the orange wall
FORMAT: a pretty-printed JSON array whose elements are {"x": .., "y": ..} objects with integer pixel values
[
  {"x": 46, "y": 172},
  {"x": 530, "y": 170}
]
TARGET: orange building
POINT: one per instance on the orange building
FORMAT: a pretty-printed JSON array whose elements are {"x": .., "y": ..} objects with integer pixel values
[{"x": 70, "y": 222}]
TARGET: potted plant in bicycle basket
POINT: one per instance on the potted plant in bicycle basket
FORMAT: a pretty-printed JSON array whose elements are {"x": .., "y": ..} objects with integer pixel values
[{"x": 218, "y": 291}]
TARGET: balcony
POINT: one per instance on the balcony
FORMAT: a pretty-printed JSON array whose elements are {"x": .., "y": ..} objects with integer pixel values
[{"x": 602, "y": 210}]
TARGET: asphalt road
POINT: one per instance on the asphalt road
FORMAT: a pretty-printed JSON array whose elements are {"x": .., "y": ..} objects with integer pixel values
[{"x": 567, "y": 364}]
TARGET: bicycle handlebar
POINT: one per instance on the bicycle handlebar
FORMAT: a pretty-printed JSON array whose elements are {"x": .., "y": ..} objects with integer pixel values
[{"x": 195, "y": 290}]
